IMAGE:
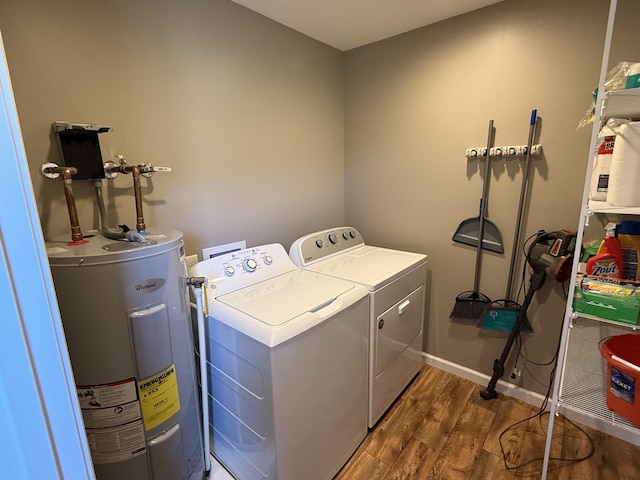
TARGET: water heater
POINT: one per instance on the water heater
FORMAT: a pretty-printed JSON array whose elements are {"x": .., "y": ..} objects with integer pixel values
[{"x": 125, "y": 312}]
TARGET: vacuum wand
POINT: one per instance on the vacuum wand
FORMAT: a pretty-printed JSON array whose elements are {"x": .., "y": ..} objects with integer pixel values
[
  {"x": 537, "y": 280},
  {"x": 550, "y": 254}
]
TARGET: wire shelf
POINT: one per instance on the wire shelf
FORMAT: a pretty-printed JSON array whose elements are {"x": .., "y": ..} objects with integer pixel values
[{"x": 584, "y": 382}]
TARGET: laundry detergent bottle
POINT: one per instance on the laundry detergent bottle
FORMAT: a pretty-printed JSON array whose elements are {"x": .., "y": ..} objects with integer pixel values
[{"x": 608, "y": 261}]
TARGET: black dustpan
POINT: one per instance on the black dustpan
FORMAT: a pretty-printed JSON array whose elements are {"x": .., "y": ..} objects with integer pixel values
[
  {"x": 472, "y": 229},
  {"x": 468, "y": 232}
]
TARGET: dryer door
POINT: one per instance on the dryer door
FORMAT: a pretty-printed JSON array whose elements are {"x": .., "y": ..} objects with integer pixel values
[{"x": 397, "y": 327}]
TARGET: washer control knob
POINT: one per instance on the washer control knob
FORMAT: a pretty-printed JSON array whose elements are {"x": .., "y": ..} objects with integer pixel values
[
  {"x": 268, "y": 260},
  {"x": 352, "y": 234},
  {"x": 229, "y": 271},
  {"x": 345, "y": 235},
  {"x": 333, "y": 238},
  {"x": 319, "y": 243},
  {"x": 250, "y": 265}
]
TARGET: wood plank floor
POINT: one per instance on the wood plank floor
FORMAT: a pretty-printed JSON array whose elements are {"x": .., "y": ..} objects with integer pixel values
[{"x": 441, "y": 429}]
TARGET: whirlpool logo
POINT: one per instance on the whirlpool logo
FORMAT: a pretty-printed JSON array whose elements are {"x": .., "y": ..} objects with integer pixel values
[{"x": 149, "y": 286}]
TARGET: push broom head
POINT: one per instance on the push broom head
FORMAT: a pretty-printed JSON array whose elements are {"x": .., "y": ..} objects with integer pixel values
[
  {"x": 500, "y": 316},
  {"x": 470, "y": 305}
]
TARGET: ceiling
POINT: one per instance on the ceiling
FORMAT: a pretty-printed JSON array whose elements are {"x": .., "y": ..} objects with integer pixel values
[{"x": 347, "y": 24}]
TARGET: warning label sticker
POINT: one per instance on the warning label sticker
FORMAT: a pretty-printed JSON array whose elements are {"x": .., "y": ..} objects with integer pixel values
[
  {"x": 110, "y": 445},
  {"x": 110, "y": 404},
  {"x": 111, "y": 416},
  {"x": 112, "y": 420},
  {"x": 107, "y": 395},
  {"x": 159, "y": 397}
]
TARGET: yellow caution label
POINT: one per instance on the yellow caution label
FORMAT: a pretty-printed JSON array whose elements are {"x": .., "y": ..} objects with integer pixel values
[{"x": 159, "y": 397}]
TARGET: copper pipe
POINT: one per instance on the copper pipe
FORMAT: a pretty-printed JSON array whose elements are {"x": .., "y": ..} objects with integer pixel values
[
  {"x": 135, "y": 171},
  {"x": 66, "y": 173}
]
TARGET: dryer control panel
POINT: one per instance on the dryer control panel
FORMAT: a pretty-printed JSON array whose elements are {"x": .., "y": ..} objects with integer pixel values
[{"x": 320, "y": 245}]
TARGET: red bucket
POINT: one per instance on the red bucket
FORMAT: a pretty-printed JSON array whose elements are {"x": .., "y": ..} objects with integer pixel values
[{"x": 622, "y": 354}]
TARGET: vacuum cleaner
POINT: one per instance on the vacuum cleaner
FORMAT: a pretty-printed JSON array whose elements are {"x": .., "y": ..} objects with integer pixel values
[{"x": 550, "y": 254}]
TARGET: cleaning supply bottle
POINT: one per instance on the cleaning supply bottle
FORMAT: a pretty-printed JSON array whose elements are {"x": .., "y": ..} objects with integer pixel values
[
  {"x": 608, "y": 261},
  {"x": 629, "y": 236}
]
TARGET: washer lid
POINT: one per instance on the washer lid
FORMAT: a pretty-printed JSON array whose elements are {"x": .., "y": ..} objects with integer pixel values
[
  {"x": 368, "y": 265},
  {"x": 282, "y": 298}
]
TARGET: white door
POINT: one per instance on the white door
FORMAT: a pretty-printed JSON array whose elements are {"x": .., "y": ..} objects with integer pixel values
[{"x": 42, "y": 430}]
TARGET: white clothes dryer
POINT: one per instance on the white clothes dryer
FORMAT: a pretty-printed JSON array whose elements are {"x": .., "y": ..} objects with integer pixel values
[
  {"x": 287, "y": 363},
  {"x": 396, "y": 283}
]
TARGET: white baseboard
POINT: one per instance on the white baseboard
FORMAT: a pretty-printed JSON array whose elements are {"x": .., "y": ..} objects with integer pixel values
[{"x": 509, "y": 389}]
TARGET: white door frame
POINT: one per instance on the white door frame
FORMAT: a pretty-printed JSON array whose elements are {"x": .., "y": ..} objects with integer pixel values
[{"x": 42, "y": 430}]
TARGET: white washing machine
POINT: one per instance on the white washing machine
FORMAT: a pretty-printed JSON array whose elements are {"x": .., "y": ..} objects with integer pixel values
[
  {"x": 396, "y": 284},
  {"x": 287, "y": 365}
]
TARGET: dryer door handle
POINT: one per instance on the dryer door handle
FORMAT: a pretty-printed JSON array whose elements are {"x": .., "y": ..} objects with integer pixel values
[{"x": 403, "y": 306}]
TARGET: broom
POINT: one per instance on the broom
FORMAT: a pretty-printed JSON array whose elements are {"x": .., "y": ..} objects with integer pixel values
[
  {"x": 500, "y": 315},
  {"x": 471, "y": 304}
]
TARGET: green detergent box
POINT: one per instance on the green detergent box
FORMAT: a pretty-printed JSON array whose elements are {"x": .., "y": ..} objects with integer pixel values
[{"x": 609, "y": 299}]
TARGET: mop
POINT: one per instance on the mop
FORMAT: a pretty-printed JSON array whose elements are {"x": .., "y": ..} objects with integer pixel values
[
  {"x": 470, "y": 304},
  {"x": 500, "y": 315}
]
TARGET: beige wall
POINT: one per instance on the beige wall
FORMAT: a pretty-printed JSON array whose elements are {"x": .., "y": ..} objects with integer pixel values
[
  {"x": 248, "y": 113},
  {"x": 271, "y": 134},
  {"x": 415, "y": 102}
]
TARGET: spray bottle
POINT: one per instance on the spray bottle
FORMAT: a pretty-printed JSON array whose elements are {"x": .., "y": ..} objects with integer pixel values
[{"x": 608, "y": 261}]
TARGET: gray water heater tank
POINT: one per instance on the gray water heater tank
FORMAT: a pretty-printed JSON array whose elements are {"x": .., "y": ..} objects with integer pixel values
[{"x": 126, "y": 318}]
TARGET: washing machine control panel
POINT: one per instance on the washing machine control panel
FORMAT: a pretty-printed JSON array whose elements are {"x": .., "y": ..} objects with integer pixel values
[
  {"x": 239, "y": 269},
  {"x": 319, "y": 245},
  {"x": 250, "y": 265}
]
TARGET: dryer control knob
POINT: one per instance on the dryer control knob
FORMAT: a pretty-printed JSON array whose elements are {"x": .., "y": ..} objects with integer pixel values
[
  {"x": 229, "y": 271},
  {"x": 250, "y": 265},
  {"x": 345, "y": 235},
  {"x": 319, "y": 243},
  {"x": 333, "y": 238},
  {"x": 352, "y": 234}
]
